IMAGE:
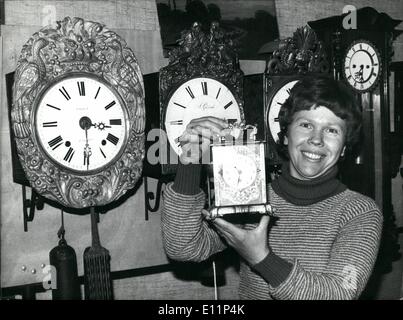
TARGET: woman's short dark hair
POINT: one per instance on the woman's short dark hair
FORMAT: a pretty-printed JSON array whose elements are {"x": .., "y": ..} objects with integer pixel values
[{"x": 315, "y": 91}]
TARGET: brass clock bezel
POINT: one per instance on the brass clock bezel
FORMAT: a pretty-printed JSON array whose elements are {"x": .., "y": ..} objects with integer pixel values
[{"x": 378, "y": 77}]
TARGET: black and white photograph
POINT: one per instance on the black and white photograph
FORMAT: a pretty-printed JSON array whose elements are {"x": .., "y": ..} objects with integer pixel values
[{"x": 195, "y": 154}]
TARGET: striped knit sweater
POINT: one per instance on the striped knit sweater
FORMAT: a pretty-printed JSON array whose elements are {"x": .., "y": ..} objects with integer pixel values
[{"x": 332, "y": 244}]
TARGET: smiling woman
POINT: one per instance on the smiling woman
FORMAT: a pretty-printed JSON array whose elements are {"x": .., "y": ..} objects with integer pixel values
[
  {"x": 326, "y": 239},
  {"x": 316, "y": 141}
]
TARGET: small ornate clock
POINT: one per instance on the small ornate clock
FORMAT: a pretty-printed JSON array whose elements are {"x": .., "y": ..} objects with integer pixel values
[
  {"x": 239, "y": 174},
  {"x": 362, "y": 65},
  {"x": 78, "y": 114},
  {"x": 203, "y": 78}
]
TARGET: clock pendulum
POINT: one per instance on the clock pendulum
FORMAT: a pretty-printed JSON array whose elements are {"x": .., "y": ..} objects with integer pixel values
[
  {"x": 97, "y": 277},
  {"x": 64, "y": 259}
]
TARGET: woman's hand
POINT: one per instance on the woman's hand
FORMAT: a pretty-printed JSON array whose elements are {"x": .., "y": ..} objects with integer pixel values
[
  {"x": 252, "y": 244},
  {"x": 197, "y": 137}
]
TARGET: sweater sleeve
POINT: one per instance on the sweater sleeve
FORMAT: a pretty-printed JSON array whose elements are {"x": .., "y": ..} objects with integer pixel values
[
  {"x": 351, "y": 261},
  {"x": 273, "y": 269},
  {"x": 186, "y": 235}
]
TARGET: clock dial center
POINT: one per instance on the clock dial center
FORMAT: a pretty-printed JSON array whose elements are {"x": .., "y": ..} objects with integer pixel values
[{"x": 85, "y": 123}]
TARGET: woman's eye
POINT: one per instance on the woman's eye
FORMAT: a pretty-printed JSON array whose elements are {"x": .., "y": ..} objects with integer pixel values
[
  {"x": 306, "y": 125},
  {"x": 333, "y": 130}
]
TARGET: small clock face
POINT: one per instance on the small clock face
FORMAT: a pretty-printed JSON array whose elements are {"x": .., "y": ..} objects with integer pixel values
[
  {"x": 362, "y": 65},
  {"x": 198, "y": 97},
  {"x": 81, "y": 123},
  {"x": 240, "y": 172},
  {"x": 274, "y": 108}
]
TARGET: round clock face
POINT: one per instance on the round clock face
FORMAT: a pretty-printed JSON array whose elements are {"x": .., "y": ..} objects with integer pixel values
[
  {"x": 80, "y": 123},
  {"x": 362, "y": 65},
  {"x": 240, "y": 172},
  {"x": 274, "y": 108},
  {"x": 198, "y": 97}
]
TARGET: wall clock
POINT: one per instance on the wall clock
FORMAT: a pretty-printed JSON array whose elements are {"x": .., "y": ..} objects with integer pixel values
[
  {"x": 78, "y": 114},
  {"x": 202, "y": 78},
  {"x": 362, "y": 65}
]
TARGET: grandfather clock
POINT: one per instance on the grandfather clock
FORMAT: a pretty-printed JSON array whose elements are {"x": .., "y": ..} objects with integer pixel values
[{"x": 361, "y": 56}]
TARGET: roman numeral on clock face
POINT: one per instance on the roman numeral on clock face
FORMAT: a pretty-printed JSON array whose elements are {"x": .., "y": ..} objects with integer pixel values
[
  {"x": 179, "y": 105},
  {"x": 49, "y": 124},
  {"x": 115, "y": 122},
  {"x": 65, "y": 93},
  {"x": 53, "y": 107},
  {"x": 176, "y": 122},
  {"x": 110, "y": 105},
  {"x": 102, "y": 153},
  {"x": 112, "y": 139},
  {"x": 190, "y": 92},
  {"x": 228, "y": 105},
  {"x": 81, "y": 88},
  {"x": 96, "y": 95},
  {"x": 218, "y": 93},
  {"x": 54, "y": 143},
  {"x": 69, "y": 155},
  {"x": 204, "y": 87}
]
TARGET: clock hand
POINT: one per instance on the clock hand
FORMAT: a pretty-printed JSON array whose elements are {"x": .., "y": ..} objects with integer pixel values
[
  {"x": 359, "y": 74},
  {"x": 87, "y": 150},
  {"x": 85, "y": 123},
  {"x": 239, "y": 174},
  {"x": 100, "y": 125}
]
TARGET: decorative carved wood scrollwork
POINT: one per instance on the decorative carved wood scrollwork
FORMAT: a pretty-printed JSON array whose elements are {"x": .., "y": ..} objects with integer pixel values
[
  {"x": 76, "y": 45},
  {"x": 211, "y": 54},
  {"x": 302, "y": 53}
]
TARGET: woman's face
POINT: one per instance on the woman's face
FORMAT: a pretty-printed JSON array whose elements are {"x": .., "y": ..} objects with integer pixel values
[{"x": 316, "y": 140}]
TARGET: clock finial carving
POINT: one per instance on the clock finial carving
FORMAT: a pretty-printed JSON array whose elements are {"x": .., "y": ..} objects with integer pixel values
[
  {"x": 203, "y": 53},
  {"x": 302, "y": 53}
]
